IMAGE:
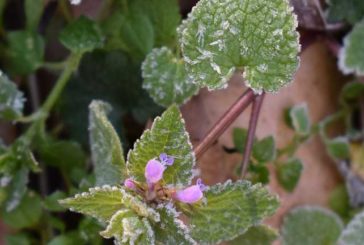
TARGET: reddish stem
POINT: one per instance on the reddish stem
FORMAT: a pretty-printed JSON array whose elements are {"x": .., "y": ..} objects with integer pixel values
[
  {"x": 225, "y": 121},
  {"x": 257, "y": 105}
]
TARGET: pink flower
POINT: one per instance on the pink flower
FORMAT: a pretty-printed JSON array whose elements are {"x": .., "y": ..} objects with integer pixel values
[
  {"x": 154, "y": 169},
  {"x": 191, "y": 194},
  {"x": 129, "y": 183}
]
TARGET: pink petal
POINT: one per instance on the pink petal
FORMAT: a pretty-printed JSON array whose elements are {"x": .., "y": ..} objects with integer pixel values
[
  {"x": 191, "y": 194},
  {"x": 154, "y": 171}
]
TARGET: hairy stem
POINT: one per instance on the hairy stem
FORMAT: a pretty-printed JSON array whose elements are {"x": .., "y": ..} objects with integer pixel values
[
  {"x": 225, "y": 121},
  {"x": 257, "y": 105}
]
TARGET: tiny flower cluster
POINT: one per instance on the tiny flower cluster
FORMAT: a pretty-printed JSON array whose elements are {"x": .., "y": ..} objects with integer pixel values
[{"x": 154, "y": 173}]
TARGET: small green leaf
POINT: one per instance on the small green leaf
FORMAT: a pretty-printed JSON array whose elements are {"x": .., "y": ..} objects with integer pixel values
[
  {"x": 125, "y": 226},
  {"x": 51, "y": 202},
  {"x": 166, "y": 79},
  {"x": 300, "y": 119},
  {"x": 26, "y": 214},
  {"x": 352, "y": 91},
  {"x": 33, "y": 12},
  {"x": 167, "y": 135},
  {"x": 256, "y": 235},
  {"x": 107, "y": 153},
  {"x": 289, "y": 173},
  {"x": 311, "y": 225},
  {"x": 18, "y": 239},
  {"x": 69, "y": 238},
  {"x": 353, "y": 234},
  {"x": 239, "y": 138},
  {"x": 232, "y": 206},
  {"x": 339, "y": 201},
  {"x": 99, "y": 202},
  {"x": 338, "y": 148},
  {"x": 264, "y": 150},
  {"x": 258, "y": 173},
  {"x": 25, "y": 52},
  {"x": 82, "y": 35},
  {"x": 257, "y": 36},
  {"x": 351, "y": 60},
  {"x": 345, "y": 10},
  {"x": 11, "y": 99},
  {"x": 171, "y": 230}
]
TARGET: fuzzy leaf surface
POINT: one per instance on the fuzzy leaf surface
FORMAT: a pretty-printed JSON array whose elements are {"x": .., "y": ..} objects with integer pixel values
[
  {"x": 311, "y": 225},
  {"x": 257, "y": 235},
  {"x": 257, "y": 36},
  {"x": 167, "y": 135},
  {"x": 351, "y": 56},
  {"x": 166, "y": 79},
  {"x": 11, "y": 99},
  {"x": 107, "y": 153},
  {"x": 353, "y": 234},
  {"x": 230, "y": 209}
]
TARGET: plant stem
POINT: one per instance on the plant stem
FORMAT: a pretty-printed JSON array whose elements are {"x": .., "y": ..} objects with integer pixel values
[
  {"x": 225, "y": 121},
  {"x": 65, "y": 10},
  {"x": 257, "y": 105}
]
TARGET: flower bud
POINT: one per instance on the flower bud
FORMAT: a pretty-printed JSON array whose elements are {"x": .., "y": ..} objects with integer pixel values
[
  {"x": 154, "y": 171},
  {"x": 129, "y": 183}
]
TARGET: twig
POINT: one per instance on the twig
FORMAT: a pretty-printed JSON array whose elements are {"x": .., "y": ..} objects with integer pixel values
[
  {"x": 257, "y": 105},
  {"x": 225, "y": 121}
]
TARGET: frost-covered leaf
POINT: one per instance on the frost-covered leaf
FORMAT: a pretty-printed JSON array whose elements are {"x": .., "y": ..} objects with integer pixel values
[
  {"x": 353, "y": 234},
  {"x": 82, "y": 35},
  {"x": 257, "y": 36},
  {"x": 26, "y": 214},
  {"x": 33, "y": 12},
  {"x": 11, "y": 99},
  {"x": 345, "y": 10},
  {"x": 264, "y": 150},
  {"x": 300, "y": 119},
  {"x": 351, "y": 56},
  {"x": 166, "y": 79},
  {"x": 16, "y": 187},
  {"x": 230, "y": 209},
  {"x": 99, "y": 202},
  {"x": 171, "y": 230},
  {"x": 126, "y": 227},
  {"x": 256, "y": 235},
  {"x": 338, "y": 148},
  {"x": 167, "y": 135},
  {"x": 289, "y": 173},
  {"x": 25, "y": 52},
  {"x": 107, "y": 153},
  {"x": 311, "y": 225}
]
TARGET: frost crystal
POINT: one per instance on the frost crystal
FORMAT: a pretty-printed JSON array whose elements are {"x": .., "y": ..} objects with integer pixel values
[{"x": 75, "y": 2}]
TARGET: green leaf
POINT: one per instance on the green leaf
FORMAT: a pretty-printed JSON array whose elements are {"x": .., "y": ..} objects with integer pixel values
[
  {"x": 107, "y": 153},
  {"x": 166, "y": 79},
  {"x": 57, "y": 223},
  {"x": 82, "y": 35},
  {"x": 239, "y": 138},
  {"x": 257, "y": 36},
  {"x": 311, "y": 225},
  {"x": 51, "y": 202},
  {"x": 353, "y": 234},
  {"x": 26, "y": 214},
  {"x": 289, "y": 173},
  {"x": 257, "y": 235},
  {"x": 167, "y": 135},
  {"x": 350, "y": 11},
  {"x": 264, "y": 150},
  {"x": 53, "y": 153},
  {"x": 171, "y": 230},
  {"x": 99, "y": 202},
  {"x": 351, "y": 59},
  {"x": 16, "y": 188},
  {"x": 258, "y": 173},
  {"x": 69, "y": 238},
  {"x": 229, "y": 211},
  {"x": 300, "y": 119},
  {"x": 25, "y": 52},
  {"x": 33, "y": 12},
  {"x": 339, "y": 201},
  {"x": 352, "y": 91},
  {"x": 338, "y": 148},
  {"x": 126, "y": 227},
  {"x": 11, "y": 99},
  {"x": 89, "y": 231},
  {"x": 18, "y": 239}
]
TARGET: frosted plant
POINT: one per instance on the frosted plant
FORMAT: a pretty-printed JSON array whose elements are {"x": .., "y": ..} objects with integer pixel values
[{"x": 157, "y": 189}]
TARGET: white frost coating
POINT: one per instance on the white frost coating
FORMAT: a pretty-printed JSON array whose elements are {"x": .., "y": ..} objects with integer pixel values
[
  {"x": 353, "y": 234},
  {"x": 75, "y": 2}
]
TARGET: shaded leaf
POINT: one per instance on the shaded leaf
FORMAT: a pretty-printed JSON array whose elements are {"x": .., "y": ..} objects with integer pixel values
[
  {"x": 230, "y": 209},
  {"x": 239, "y": 138},
  {"x": 220, "y": 37},
  {"x": 257, "y": 235},
  {"x": 339, "y": 201},
  {"x": 51, "y": 202},
  {"x": 300, "y": 119},
  {"x": 257, "y": 173},
  {"x": 33, "y": 12},
  {"x": 11, "y": 99},
  {"x": 353, "y": 234},
  {"x": 82, "y": 35},
  {"x": 18, "y": 239},
  {"x": 345, "y": 10},
  {"x": 352, "y": 91},
  {"x": 166, "y": 79},
  {"x": 338, "y": 148},
  {"x": 69, "y": 238},
  {"x": 107, "y": 153},
  {"x": 289, "y": 173},
  {"x": 264, "y": 150},
  {"x": 311, "y": 225}
]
